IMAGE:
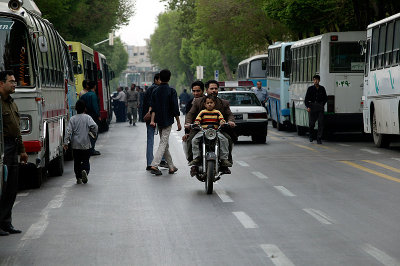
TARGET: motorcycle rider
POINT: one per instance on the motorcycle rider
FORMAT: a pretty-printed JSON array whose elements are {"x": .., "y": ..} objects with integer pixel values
[
  {"x": 220, "y": 105},
  {"x": 210, "y": 116}
]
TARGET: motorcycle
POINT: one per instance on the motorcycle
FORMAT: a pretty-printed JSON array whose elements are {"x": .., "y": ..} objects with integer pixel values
[
  {"x": 209, "y": 171},
  {"x": 182, "y": 108}
]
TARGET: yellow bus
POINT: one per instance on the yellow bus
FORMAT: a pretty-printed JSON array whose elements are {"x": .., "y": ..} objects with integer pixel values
[{"x": 84, "y": 66}]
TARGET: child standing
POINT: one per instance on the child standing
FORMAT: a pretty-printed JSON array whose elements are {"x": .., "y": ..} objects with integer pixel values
[
  {"x": 210, "y": 116},
  {"x": 78, "y": 130}
]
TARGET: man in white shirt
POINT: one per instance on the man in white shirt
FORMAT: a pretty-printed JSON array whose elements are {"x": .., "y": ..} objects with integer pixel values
[{"x": 121, "y": 104}]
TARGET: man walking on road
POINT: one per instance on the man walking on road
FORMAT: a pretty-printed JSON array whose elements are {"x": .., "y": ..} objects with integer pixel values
[
  {"x": 92, "y": 109},
  {"x": 261, "y": 93},
  {"x": 164, "y": 107},
  {"x": 315, "y": 101},
  {"x": 132, "y": 97},
  {"x": 13, "y": 146}
]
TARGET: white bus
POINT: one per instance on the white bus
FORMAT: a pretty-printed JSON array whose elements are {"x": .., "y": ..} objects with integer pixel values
[
  {"x": 33, "y": 49},
  {"x": 382, "y": 81},
  {"x": 254, "y": 69},
  {"x": 337, "y": 59},
  {"x": 278, "y": 84}
]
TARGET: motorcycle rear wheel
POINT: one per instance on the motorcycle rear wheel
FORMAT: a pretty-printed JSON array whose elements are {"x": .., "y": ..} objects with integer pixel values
[{"x": 210, "y": 177}]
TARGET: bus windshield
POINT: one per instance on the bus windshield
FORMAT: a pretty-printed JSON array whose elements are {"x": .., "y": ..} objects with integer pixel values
[
  {"x": 258, "y": 68},
  {"x": 15, "y": 53},
  {"x": 346, "y": 58}
]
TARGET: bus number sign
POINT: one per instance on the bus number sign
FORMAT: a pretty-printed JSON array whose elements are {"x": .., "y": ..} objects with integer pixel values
[{"x": 343, "y": 83}]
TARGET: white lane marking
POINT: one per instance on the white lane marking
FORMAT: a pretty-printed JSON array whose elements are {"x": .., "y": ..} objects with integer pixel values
[
  {"x": 22, "y": 194},
  {"x": 260, "y": 175},
  {"x": 15, "y": 203},
  {"x": 223, "y": 195},
  {"x": 380, "y": 256},
  {"x": 397, "y": 159},
  {"x": 276, "y": 255},
  {"x": 371, "y": 151},
  {"x": 285, "y": 191},
  {"x": 344, "y": 145},
  {"x": 37, "y": 229},
  {"x": 242, "y": 163},
  {"x": 245, "y": 220},
  {"x": 320, "y": 216},
  {"x": 99, "y": 146}
]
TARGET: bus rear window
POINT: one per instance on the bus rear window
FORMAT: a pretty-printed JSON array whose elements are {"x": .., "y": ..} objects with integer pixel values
[
  {"x": 346, "y": 58},
  {"x": 258, "y": 68}
]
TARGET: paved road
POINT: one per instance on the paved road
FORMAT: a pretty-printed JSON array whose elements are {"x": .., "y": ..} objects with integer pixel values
[{"x": 288, "y": 202}]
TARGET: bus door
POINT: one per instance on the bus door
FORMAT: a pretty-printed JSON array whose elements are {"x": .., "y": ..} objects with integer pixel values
[
  {"x": 347, "y": 67},
  {"x": 3, "y": 173}
]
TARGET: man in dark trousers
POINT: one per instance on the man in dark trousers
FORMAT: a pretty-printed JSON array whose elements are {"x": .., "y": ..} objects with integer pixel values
[
  {"x": 13, "y": 146},
  {"x": 92, "y": 108},
  {"x": 315, "y": 101}
]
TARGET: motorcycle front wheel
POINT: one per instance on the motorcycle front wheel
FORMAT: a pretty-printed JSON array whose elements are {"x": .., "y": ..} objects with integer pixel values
[{"x": 210, "y": 177}]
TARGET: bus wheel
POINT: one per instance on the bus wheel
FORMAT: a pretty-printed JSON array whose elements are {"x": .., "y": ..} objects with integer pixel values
[
  {"x": 56, "y": 167},
  {"x": 380, "y": 140},
  {"x": 37, "y": 180}
]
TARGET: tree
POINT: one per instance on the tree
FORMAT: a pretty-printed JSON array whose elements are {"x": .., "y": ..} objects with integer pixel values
[{"x": 86, "y": 21}]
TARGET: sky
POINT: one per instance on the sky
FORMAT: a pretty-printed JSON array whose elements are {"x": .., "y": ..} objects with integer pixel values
[{"x": 143, "y": 23}]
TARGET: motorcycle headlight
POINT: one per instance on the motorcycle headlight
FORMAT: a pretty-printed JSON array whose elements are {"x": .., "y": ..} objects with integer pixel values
[
  {"x": 211, "y": 134},
  {"x": 25, "y": 124}
]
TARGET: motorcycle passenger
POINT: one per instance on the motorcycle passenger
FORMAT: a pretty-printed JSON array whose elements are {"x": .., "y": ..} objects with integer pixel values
[
  {"x": 220, "y": 105},
  {"x": 210, "y": 116}
]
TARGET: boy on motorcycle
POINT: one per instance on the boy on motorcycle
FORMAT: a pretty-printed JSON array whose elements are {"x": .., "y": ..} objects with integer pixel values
[{"x": 210, "y": 116}]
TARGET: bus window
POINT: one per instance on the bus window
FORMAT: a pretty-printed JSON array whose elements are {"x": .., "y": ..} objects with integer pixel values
[
  {"x": 367, "y": 58},
  {"x": 258, "y": 68},
  {"x": 374, "y": 48},
  {"x": 345, "y": 58},
  {"x": 381, "y": 48},
  {"x": 396, "y": 43},
  {"x": 389, "y": 44},
  {"x": 15, "y": 51}
]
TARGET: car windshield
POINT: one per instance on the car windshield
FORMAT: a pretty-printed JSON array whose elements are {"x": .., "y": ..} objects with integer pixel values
[
  {"x": 15, "y": 53},
  {"x": 240, "y": 99}
]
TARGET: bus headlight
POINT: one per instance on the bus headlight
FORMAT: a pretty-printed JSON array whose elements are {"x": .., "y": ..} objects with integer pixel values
[
  {"x": 25, "y": 124},
  {"x": 15, "y": 5}
]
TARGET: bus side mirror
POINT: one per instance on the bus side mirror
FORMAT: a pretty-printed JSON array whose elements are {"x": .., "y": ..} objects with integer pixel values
[
  {"x": 363, "y": 47},
  {"x": 43, "y": 47}
]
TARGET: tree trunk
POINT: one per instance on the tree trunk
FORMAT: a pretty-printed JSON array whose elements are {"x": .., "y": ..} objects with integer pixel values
[{"x": 226, "y": 66}]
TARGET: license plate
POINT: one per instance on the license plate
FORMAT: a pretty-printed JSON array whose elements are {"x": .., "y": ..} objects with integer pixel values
[{"x": 238, "y": 117}]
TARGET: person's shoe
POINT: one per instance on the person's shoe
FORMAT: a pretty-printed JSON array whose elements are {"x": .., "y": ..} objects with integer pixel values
[
  {"x": 3, "y": 233},
  {"x": 133, "y": 124},
  {"x": 163, "y": 164},
  {"x": 172, "y": 171},
  {"x": 148, "y": 168},
  {"x": 225, "y": 170},
  {"x": 225, "y": 163},
  {"x": 156, "y": 171},
  {"x": 79, "y": 181},
  {"x": 319, "y": 141},
  {"x": 95, "y": 153},
  {"x": 10, "y": 229},
  {"x": 194, "y": 170},
  {"x": 195, "y": 161},
  {"x": 130, "y": 122},
  {"x": 84, "y": 177}
]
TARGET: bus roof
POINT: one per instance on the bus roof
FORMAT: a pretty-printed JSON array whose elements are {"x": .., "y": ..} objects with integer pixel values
[
  {"x": 83, "y": 46},
  {"x": 383, "y": 21},
  {"x": 348, "y": 35},
  {"x": 279, "y": 44},
  {"x": 307, "y": 41},
  {"x": 253, "y": 58}
]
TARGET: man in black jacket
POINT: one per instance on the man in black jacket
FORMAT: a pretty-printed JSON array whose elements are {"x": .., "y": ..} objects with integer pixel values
[{"x": 315, "y": 101}]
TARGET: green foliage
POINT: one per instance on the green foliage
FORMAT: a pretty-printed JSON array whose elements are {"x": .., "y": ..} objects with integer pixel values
[{"x": 86, "y": 21}]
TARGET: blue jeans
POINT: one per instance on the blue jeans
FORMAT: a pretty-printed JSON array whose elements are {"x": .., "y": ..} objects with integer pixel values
[{"x": 150, "y": 144}]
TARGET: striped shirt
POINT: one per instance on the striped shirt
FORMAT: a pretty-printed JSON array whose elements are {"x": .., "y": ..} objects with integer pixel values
[{"x": 206, "y": 118}]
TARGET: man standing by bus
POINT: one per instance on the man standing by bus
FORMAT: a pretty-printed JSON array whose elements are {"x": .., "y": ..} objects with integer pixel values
[
  {"x": 13, "y": 146},
  {"x": 261, "y": 93},
  {"x": 315, "y": 101}
]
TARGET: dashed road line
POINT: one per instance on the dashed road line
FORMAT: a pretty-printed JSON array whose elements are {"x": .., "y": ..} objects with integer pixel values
[
  {"x": 244, "y": 164},
  {"x": 223, "y": 195},
  {"x": 304, "y": 147},
  {"x": 23, "y": 194},
  {"x": 245, "y": 220},
  {"x": 276, "y": 255},
  {"x": 370, "y": 151},
  {"x": 319, "y": 216},
  {"x": 397, "y": 159},
  {"x": 275, "y": 133},
  {"x": 380, "y": 256},
  {"x": 15, "y": 203},
  {"x": 324, "y": 147},
  {"x": 365, "y": 169},
  {"x": 396, "y": 170},
  {"x": 285, "y": 191},
  {"x": 344, "y": 145},
  {"x": 260, "y": 175}
]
